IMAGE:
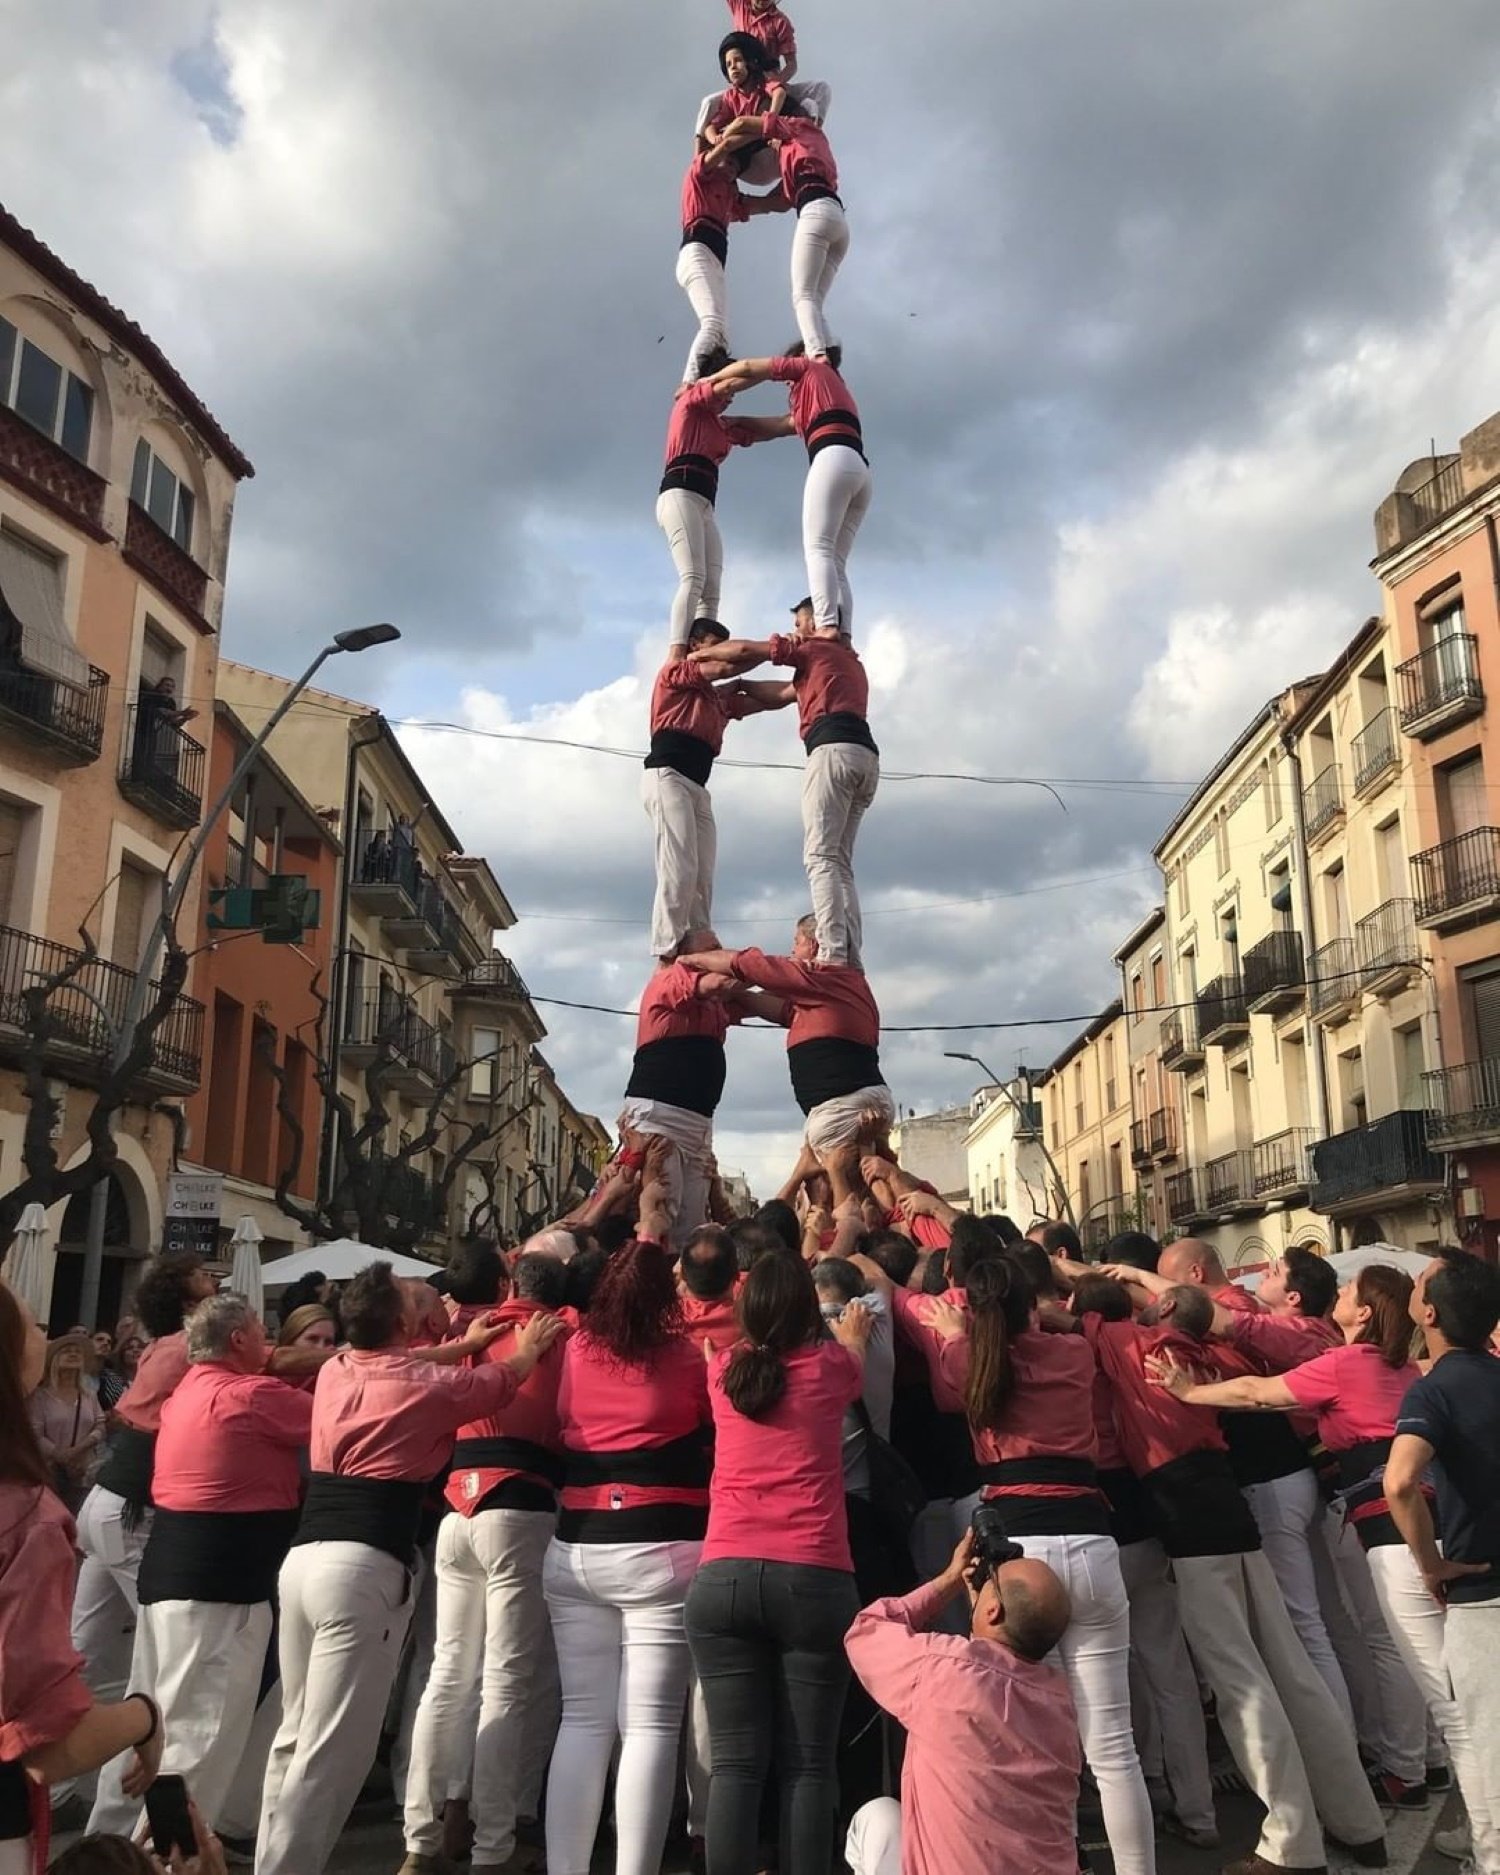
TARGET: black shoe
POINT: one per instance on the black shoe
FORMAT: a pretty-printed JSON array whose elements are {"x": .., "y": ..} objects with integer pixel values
[
  {"x": 1439, "y": 1777},
  {"x": 1372, "y": 1854}
]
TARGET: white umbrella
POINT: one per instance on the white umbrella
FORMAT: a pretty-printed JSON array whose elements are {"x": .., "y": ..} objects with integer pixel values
[
  {"x": 339, "y": 1260},
  {"x": 245, "y": 1272},
  {"x": 23, "y": 1267},
  {"x": 1350, "y": 1262}
]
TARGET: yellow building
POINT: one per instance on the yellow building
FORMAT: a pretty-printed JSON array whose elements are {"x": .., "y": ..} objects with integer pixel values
[
  {"x": 1086, "y": 1108},
  {"x": 1155, "y": 1126},
  {"x": 116, "y": 499}
]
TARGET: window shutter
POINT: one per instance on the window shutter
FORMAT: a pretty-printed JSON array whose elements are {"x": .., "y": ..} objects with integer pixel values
[
  {"x": 12, "y": 828},
  {"x": 1485, "y": 992},
  {"x": 32, "y": 592}
]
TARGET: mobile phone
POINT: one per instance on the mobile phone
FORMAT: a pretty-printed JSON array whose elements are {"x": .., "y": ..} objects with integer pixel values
[{"x": 170, "y": 1819}]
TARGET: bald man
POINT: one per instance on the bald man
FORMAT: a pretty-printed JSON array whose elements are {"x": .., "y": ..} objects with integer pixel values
[{"x": 990, "y": 1779}]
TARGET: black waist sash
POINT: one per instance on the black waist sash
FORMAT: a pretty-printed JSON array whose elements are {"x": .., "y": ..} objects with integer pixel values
[
  {"x": 1200, "y": 1509},
  {"x": 215, "y": 1556},
  {"x": 698, "y": 474},
  {"x": 682, "y": 1465},
  {"x": 15, "y": 1802},
  {"x": 127, "y": 1470},
  {"x": 831, "y": 427},
  {"x": 840, "y": 726},
  {"x": 828, "y": 1067},
  {"x": 808, "y": 192},
  {"x": 710, "y": 234},
  {"x": 1131, "y": 1517},
  {"x": 686, "y": 1071},
  {"x": 1361, "y": 1491},
  {"x": 689, "y": 755},
  {"x": 1083, "y": 1514},
  {"x": 1360, "y": 1464},
  {"x": 380, "y": 1512},
  {"x": 1262, "y": 1447},
  {"x": 508, "y": 1455}
]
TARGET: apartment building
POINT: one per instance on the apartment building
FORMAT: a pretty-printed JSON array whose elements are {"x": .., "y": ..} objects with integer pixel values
[
  {"x": 1086, "y": 1103},
  {"x": 1373, "y": 1030},
  {"x": 261, "y": 1007},
  {"x": 931, "y": 1146},
  {"x": 1007, "y": 1168},
  {"x": 1438, "y": 562},
  {"x": 116, "y": 501},
  {"x": 1240, "y": 1041},
  {"x": 1155, "y": 1127},
  {"x": 415, "y": 979}
]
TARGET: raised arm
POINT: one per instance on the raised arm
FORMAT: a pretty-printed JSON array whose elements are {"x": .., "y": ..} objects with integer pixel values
[
  {"x": 763, "y": 694},
  {"x": 1268, "y": 1394},
  {"x": 746, "y": 432},
  {"x": 743, "y": 375},
  {"x": 732, "y": 658}
]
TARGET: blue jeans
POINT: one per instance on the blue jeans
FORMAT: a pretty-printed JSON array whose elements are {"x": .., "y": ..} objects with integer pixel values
[{"x": 767, "y": 1641}]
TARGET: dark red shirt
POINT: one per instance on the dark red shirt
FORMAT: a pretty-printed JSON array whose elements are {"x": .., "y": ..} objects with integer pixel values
[
  {"x": 672, "y": 1008},
  {"x": 828, "y": 679},
  {"x": 683, "y": 700},
  {"x": 823, "y": 999}
]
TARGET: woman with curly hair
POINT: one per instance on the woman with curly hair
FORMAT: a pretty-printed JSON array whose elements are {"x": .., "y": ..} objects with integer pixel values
[{"x": 633, "y": 1409}]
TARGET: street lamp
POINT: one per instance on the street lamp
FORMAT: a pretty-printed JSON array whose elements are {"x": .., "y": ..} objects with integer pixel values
[
  {"x": 1003, "y": 1089},
  {"x": 358, "y": 638}
]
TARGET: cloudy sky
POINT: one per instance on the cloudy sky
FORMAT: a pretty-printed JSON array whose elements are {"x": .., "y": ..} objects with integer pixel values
[{"x": 1146, "y": 308}]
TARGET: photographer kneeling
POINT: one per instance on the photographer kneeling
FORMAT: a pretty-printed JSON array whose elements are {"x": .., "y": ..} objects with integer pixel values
[{"x": 992, "y": 1757}]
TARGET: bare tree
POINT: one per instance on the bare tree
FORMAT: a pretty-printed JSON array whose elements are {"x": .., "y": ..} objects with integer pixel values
[{"x": 377, "y": 1191}]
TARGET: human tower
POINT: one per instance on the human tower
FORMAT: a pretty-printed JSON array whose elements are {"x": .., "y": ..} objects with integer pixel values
[{"x": 765, "y": 128}]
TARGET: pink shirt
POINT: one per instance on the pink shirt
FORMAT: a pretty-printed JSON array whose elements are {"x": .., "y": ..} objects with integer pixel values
[
  {"x": 805, "y": 154},
  {"x": 1051, "y": 1412},
  {"x": 711, "y": 193},
  {"x": 713, "y": 1321},
  {"x": 231, "y": 1442},
  {"x": 671, "y": 1007},
  {"x": 1277, "y": 1342},
  {"x": 392, "y": 1415},
  {"x": 696, "y": 425},
  {"x": 990, "y": 1778},
  {"x": 1354, "y": 1393},
  {"x": 683, "y": 699},
  {"x": 59, "y": 1423},
  {"x": 822, "y": 1000},
  {"x": 42, "y": 1690},
  {"x": 816, "y": 390},
  {"x": 531, "y": 1415},
  {"x": 778, "y": 1484},
  {"x": 769, "y": 25},
  {"x": 157, "y": 1377},
  {"x": 603, "y": 1407}
]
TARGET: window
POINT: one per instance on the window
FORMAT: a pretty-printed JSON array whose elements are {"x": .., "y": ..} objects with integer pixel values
[
  {"x": 13, "y": 819},
  {"x": 155, "y": 488},
  {"x": 1461, "y": 797},
  {"x": 51, "y": 398},
  {"x": 1411, "y": 1065},
  {"x": 1158, "y": 980},
  {"x": 486, "y": 1076},
  {"x": 135, "y": 912},
  {"x": 1273, "y": 789},
  {"x": 1137, "y": 996},
  {"x": 1111, "y": 1093}
]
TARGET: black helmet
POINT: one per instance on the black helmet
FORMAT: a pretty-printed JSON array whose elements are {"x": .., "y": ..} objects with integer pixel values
[{"x": 750, "y": 48}]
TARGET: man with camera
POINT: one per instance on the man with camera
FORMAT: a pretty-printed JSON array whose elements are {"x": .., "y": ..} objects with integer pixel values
[{"x": 992, "y": 1757}]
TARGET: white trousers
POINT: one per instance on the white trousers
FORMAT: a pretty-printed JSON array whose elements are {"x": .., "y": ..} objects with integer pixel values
[
  {"x": 104, "y": 1598},
  {"x": 1095, "y": 1655},
  {"x": 873, "y": 1845},
  {"x": 835, "y": 501},
  {"x": 1288, "y": 1737},
  {"x": 1471, "y": 1647},
  {"x": 818, "y": 249},
  {"x": 1160, "y": 1665},
  {"x": 1390, "y": 1713},
  {"x": 685, "y": 1169},
  {"x": 201, "y": 1662},
  {"x": 1289, "y": 1513},
  {"x": 491, "y": 1615},
  {"x": 1419, "y": 1626},
  {"x": 692, "y": 530},
  {"x": 834, "y": 1123},
  {"x": 344, "y": 1614},
  {"x": 838, "y": 786},
  {"x": 700, "y": 274},
  {"x": 622, "y": 1657},
  {"x": 686, "y": 843},
  {"x": 239, "y": 1815},
  {"x": 17, "y": 1857}
]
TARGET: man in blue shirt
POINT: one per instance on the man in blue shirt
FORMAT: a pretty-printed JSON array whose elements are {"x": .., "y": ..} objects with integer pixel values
[{"x": 1450, "y": 1422}]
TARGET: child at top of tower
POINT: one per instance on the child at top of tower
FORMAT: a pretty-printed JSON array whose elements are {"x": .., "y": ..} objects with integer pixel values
[
  {"x": 766, "y": 21},
  {"x": 758, "y": 61}
]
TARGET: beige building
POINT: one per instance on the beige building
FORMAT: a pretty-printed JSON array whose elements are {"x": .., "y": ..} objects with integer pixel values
[
  {"x": 1155, "y": 1126},
  {"x": 1085, "y": 1097},
  {"x": 1006, "y": 1166},
  {"x": 931, "y": 1146},
  {"x": 116, "y": 500},
  {"x": 1373, "y": 1033}
]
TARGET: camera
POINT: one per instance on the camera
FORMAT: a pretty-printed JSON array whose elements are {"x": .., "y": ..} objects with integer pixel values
[{"x": 992, "y": 1547}]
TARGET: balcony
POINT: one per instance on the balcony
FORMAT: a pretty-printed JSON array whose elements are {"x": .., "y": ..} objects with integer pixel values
[
  {"x": 384, "y": 878},
  {"x": 1376, "y": 752},
  {"x": 44, "y": 470},
  {"x": 1096, "y": 1231},
  {"x": 1181, "y": 1050},
  {"x": 1182, "y": 1197},
  {"x": 383, "y": 1026},
  {"x": 1463, "y": 1104},
  {"x": 1028, "y": 1119},
  {"x": 1386, "y": 952},
  {"x": 1459, "y": 881},
  {"x": 161, "y": 767},
  {"x": 1440, "y": 686},
  {"x": 410, "y": 1198},
  {"x": 1140, "y": 1143},
  {"x": 1223, "y": 1018},
  {"x": 1388, "y": 1162},
  {"x": 175, "y": 574},
  {"x": 1334, "y": 990},
  {"x": 1229, "y": 1181},
  {"x": 1323, "y": 803},
  {"x": 429, "y": 930},
  {"x": 1438, "y": 496},
  {"x": 85, "y": 1014},
  {"x": 1282, "y": 1164},
  {"x": 1275, "y": 978},
  {"x": 1162, "y": 1134},
  {"x": 69, "y": 722}
]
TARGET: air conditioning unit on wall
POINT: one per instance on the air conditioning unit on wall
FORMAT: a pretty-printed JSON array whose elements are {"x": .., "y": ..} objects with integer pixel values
[{"x": 1471, "y": 1202}]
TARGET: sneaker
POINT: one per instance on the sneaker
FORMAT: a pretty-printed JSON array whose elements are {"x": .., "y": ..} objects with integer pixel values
[
  {"x": 426, "y": 1865},
  {"x": 1392, "y": 1794},
  {"x": 1456, "y": 1844},
  {"x": 1258, "y": 1865},
  {"x": 1195, "y": 1837},
  {"x": 1439, "y": 1777}
]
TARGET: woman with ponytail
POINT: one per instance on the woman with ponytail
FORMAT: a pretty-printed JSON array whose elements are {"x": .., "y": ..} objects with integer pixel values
[
  {"x": 51, "y": 1727},
  {"x": 1029, "y": 1400},
  {"x": 633, "y": 1413},
  {"x": 769, "y": 1608}
]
